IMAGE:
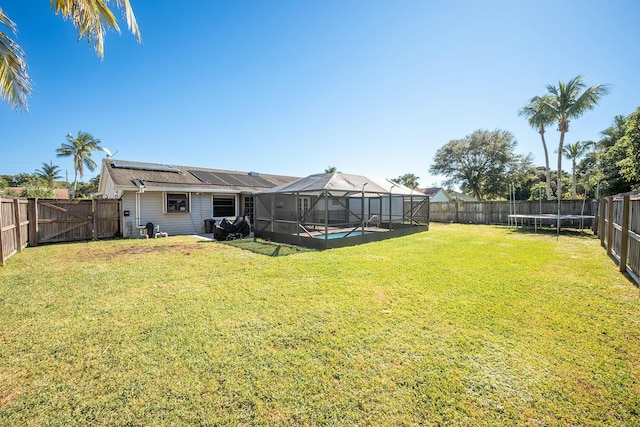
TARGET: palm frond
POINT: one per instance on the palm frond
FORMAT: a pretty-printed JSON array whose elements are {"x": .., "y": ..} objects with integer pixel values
[
  {"x": 92, "y": 18},
  {"x": 588, "y": 99},
  {"x": 15, "y": 84}
]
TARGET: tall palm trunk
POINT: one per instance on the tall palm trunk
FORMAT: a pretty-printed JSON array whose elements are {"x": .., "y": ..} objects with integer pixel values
[
  {"x": 547, "y": 171},
  {"x": 75, "y": 184}
]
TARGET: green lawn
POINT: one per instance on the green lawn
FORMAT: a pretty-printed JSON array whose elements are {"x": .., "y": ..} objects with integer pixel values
[{"x": 461, "y": 325}]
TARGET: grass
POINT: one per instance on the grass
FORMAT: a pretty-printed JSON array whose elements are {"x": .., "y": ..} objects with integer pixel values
[{"x": 461, "y": 325}]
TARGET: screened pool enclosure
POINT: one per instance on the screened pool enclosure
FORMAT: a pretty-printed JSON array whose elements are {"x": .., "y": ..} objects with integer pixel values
[{"x": 337, "y": 209}]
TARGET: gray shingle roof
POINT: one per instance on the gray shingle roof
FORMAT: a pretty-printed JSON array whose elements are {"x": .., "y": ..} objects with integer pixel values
[{"x": 132, "y": 174}]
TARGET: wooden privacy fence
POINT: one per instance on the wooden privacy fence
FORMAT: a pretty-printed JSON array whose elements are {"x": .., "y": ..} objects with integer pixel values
[
  {"x": 36, "y": 221},
  {"x": 498, "y": 212},
  {"x": 13, "y": 227},
  {"x": 619, "y": 231}
]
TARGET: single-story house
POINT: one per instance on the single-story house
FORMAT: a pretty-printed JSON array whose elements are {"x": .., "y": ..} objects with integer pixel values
[
  {"x": 461, "y": 197},
  {"x": 178, "y": 199},
  {"x": 439, "y": 194},
  {"x": 436, "y": 194}
]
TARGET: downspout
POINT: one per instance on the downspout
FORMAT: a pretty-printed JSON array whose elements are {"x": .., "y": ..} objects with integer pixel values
[{"x": 141, "y": 187}]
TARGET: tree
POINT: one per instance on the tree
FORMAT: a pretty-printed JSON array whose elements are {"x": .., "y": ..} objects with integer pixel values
[
  {"x": 21, "y": 179},
  {"x": 608, "y": 156},
  {"x": 330, "y": 169},
  {"x": 523, "y": 175},
  {"x": 49, "y": 172},
  {"x": 481, "y": 163},
  {"x": 80, "y": 148},
  {"x": 38, "y": 190},
  {"x": 564, "y": 103},
  {"x": 408, "y": 180},
  {"x": 630, "y": 145},
  {"x": 539, "y": 118},
  {"x": 573, "y": 152},
  {"x": 91, "y": 18}
]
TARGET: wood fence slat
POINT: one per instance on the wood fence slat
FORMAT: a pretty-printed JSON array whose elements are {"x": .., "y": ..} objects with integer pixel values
[
  {"x": 29, "y": 222},
  {"x": 624, "y": 238},
  {"x": 2, "y": 250}
]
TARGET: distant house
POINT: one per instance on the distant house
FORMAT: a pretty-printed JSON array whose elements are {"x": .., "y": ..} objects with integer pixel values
[
  {"x": 461, "y": 197},
  {"x": 436, "y": 194},
  {"x": 179, "y": 198},
  {"x": 439, "y": 194}
]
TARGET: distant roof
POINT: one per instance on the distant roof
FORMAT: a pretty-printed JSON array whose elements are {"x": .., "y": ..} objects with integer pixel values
[
  {"x": 343, "y": 183},
  {"x": 462, "y": 197},
  {"x": 134, "y": 174},
  {"x": 431, "y": 191}
]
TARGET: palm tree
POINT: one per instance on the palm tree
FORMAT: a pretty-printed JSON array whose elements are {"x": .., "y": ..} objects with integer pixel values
[
  {"x": 330, "y": 169},
  {"x": 91, "y": 18},
  {"x": 570, "y": 101},
  {"x": 613, "y": 133},
  {"x": 80, "y": 149},
  {"x": 539, "y": 118},
  {"x": 15, "y": 84},
  {"x": 49, "y": 173},
  {"x": 573, "y": 152}
]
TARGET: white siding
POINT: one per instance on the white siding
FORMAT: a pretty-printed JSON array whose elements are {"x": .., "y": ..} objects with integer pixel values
[
  {"x": 152, "y": 210},
  {"x": 110, "y": 192},
  {"x": 440, "y": 196}
]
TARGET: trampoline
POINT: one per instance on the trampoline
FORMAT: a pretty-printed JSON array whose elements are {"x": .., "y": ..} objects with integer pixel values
[
  {"x": 540, "y": 218},
  {"x": 552, "y": 218}
]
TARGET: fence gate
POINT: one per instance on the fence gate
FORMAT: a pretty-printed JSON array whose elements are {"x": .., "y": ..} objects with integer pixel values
[
  {"x": 60, "y": 221},
  {"x": 106, "y": 214},
  {"x": 56, "y": 220}
]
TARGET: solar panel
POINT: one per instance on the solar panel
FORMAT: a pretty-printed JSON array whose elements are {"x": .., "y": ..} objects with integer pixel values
[
  {"x": 230, "y": 179},
  {"x": 144, "y": 166}
]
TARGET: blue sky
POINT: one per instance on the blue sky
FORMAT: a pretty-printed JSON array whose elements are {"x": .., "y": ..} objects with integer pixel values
[{"x": 291, "y": 87}]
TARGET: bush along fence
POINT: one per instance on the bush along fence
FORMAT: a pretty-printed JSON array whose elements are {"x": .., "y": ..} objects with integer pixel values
[
  {"x": 498, "y": 212},
  {"x": 619, "y": 231},
  {"x": 34, "y": 221}
]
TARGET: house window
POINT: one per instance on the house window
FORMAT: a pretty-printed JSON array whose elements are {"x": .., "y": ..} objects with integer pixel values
[
  {"x": 177, "y": 202},
  {"x": 304, "y": 204},
  {"x": 248, "y": 205},
  {"x": 224, "y": 206}
]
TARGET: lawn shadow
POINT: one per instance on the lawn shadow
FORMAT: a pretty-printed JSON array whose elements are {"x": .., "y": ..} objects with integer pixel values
[
  {"x": 267, "y": 248},
  {"x": 551, "y": 231}
]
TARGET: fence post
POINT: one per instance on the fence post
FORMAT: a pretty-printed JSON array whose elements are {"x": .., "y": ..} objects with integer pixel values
[
  {"x": 610, "y": 226},
  {"x": 94, "y": 222},
  {"x": 33, "y": 222},
  {"x": 1, "y": 227},
  {"x": 602, "y": 219},
  {"x": 16, "y": 207},
  {"x": 624, "y": 240},
  {"x": 457, "y": 221}
]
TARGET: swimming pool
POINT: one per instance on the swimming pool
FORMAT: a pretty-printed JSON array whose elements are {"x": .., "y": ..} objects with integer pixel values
[{"x": 342, "y": 234}]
